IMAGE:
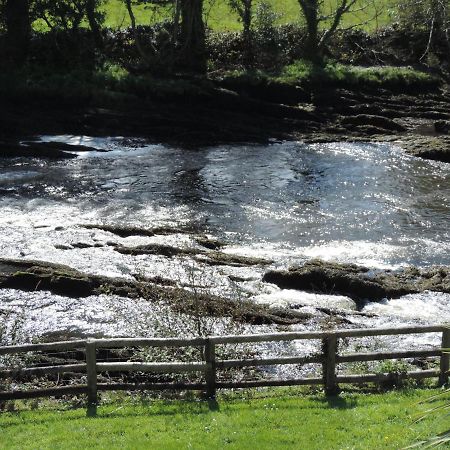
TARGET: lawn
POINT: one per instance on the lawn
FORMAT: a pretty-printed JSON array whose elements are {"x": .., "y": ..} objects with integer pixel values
[
  {"x": 268, "y": 420},
  {"x": 219, "y": 17}
]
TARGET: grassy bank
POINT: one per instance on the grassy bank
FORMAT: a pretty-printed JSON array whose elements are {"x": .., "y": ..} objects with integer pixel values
[
  {"x": 272, "y": 419},
  {"x": 335, "y": 75},
  {"x": 113, "y": 82}
]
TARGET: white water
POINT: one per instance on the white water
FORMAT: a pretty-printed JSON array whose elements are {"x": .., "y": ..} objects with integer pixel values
[{"x": 363, "y": 203}]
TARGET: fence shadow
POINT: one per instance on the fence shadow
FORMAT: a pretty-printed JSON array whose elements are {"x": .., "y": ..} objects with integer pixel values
[{"x": 337, "y": 402}]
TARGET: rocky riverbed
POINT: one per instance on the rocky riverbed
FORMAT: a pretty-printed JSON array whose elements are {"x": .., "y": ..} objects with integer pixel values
[{"x": 418, "y": 122}]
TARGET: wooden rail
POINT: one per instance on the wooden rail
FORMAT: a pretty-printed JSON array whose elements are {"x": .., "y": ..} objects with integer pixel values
[{"x": 329, "y": 357}]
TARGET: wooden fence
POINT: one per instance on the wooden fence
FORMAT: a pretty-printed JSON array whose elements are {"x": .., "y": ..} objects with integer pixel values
[{"x": 328, "y": 357}]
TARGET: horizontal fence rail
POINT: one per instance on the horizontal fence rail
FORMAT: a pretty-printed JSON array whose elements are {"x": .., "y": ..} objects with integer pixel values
[{"x": 328, "y": 358}]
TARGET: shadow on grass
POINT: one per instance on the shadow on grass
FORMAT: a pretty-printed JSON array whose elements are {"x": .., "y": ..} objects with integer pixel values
[
  {"x": 337, "y": 402},
  {"x": 143, "y": 408},
  {"x": 213, "y": 404}
]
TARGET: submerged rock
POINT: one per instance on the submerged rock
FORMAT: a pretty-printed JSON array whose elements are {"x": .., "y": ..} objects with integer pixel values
[
  {"x": 358, "y": 282},
  {"x": 157, "y": 249},
  {"x": 125, "y": 231},
  {"x": 212, "y": 258},
  {"x": 210, "y": 243},
  {"x": 35, "y": 150}
]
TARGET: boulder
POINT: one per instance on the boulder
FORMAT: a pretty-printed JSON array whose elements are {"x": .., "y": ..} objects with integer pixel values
[
  {"x": 442, "y": 127},
  {"x": 358, "y": 282},
  {"x": 373, "y": 121}
]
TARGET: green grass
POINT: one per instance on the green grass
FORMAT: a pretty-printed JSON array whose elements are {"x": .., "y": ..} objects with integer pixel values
[
  {"x": 219, "y": 17},
  {"x": 341, "y": 74},
  {"x": 113, "y": 85},
  {"x": 332, "y": 74},
  {"x": 276, "y": 419}
]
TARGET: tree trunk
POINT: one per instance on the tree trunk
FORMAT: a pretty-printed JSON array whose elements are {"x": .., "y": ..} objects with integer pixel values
[
  {"x": 18, "y": 30},
  {"x": 192, "y": 51},
  {"x": 93, "y": 23},
  {"x": 310, "y": 10},
  {"x": 247, "y": 34}
]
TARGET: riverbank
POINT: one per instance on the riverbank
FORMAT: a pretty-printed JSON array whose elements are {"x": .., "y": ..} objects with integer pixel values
[
  {"x": 228, "y": 110},
  {"x": 354, "y": 420}
]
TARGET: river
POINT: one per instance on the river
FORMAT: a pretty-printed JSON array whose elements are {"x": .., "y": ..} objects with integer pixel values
[{"x": 289, "y": 202}]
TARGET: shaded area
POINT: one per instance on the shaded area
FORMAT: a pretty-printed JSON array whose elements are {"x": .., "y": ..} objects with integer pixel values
[{"x": 217, "y": 112}]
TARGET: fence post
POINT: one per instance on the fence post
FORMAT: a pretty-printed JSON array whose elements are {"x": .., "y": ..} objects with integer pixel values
[
  {"x": 91, "y": 369},
  {"x": 329, "y": 364},
  {"x": 210, "y": 374},
  {"x": 445, "y": 357}
]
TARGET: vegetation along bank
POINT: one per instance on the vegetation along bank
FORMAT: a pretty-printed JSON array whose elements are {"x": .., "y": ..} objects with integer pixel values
[{"x": 356, "y": 72}]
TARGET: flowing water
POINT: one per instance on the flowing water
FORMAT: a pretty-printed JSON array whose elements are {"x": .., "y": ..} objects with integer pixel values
[{"x": 289, "y": 202}]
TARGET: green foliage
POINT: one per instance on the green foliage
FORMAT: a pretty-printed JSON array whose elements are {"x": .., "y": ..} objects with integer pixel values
[
  {"x": 268, "y": 419},
  {"x": 266, "y": 17},
  {"x": 421, "y": 14},
  {"x": 64, "y": 14}
]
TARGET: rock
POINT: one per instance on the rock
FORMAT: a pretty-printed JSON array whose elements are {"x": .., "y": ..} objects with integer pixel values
[
  {"x": 436, "y": 148},
  {"x": 212, "y": 258},
  {"x": 69, "y": 283},
  {"x": 157, "y": 249},
  {"x": 237, "y": 279},
  {"x": 36, "y": 150},
  {"x": 211, "y": 244},
  {"x": 124, "y": 231},
  {"x": 63, "y": 247},
  {"x": 226, "y": 259},
  {"x": 63, "y": 280},
  {"x": 360, "y": 283},
  {"x": 442, "y": 126},
  {"x": 61, "y": 146},
  {"x": 370, "y": 130},
  {"x": 82, "y": 245},
  {"x": 374, "y": 121}
]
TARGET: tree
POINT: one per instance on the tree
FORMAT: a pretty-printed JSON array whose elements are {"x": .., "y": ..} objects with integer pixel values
[
  {"x": 192, "y": 36},
  {"x": 181, "y": 43},
  {"x": 69, "y": 15},
  {"x": 314, "y": 14},
  {"x": 244, "y": 10},
  {"x": 431, "y": 16},
  {"x": 16, "y": 15},
  {"x": 95, "y": 19}
]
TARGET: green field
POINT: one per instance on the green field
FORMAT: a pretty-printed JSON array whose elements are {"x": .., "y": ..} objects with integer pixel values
[
  {"x": 269, "y": 420},
  {"x": 219, "y": 17}
]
